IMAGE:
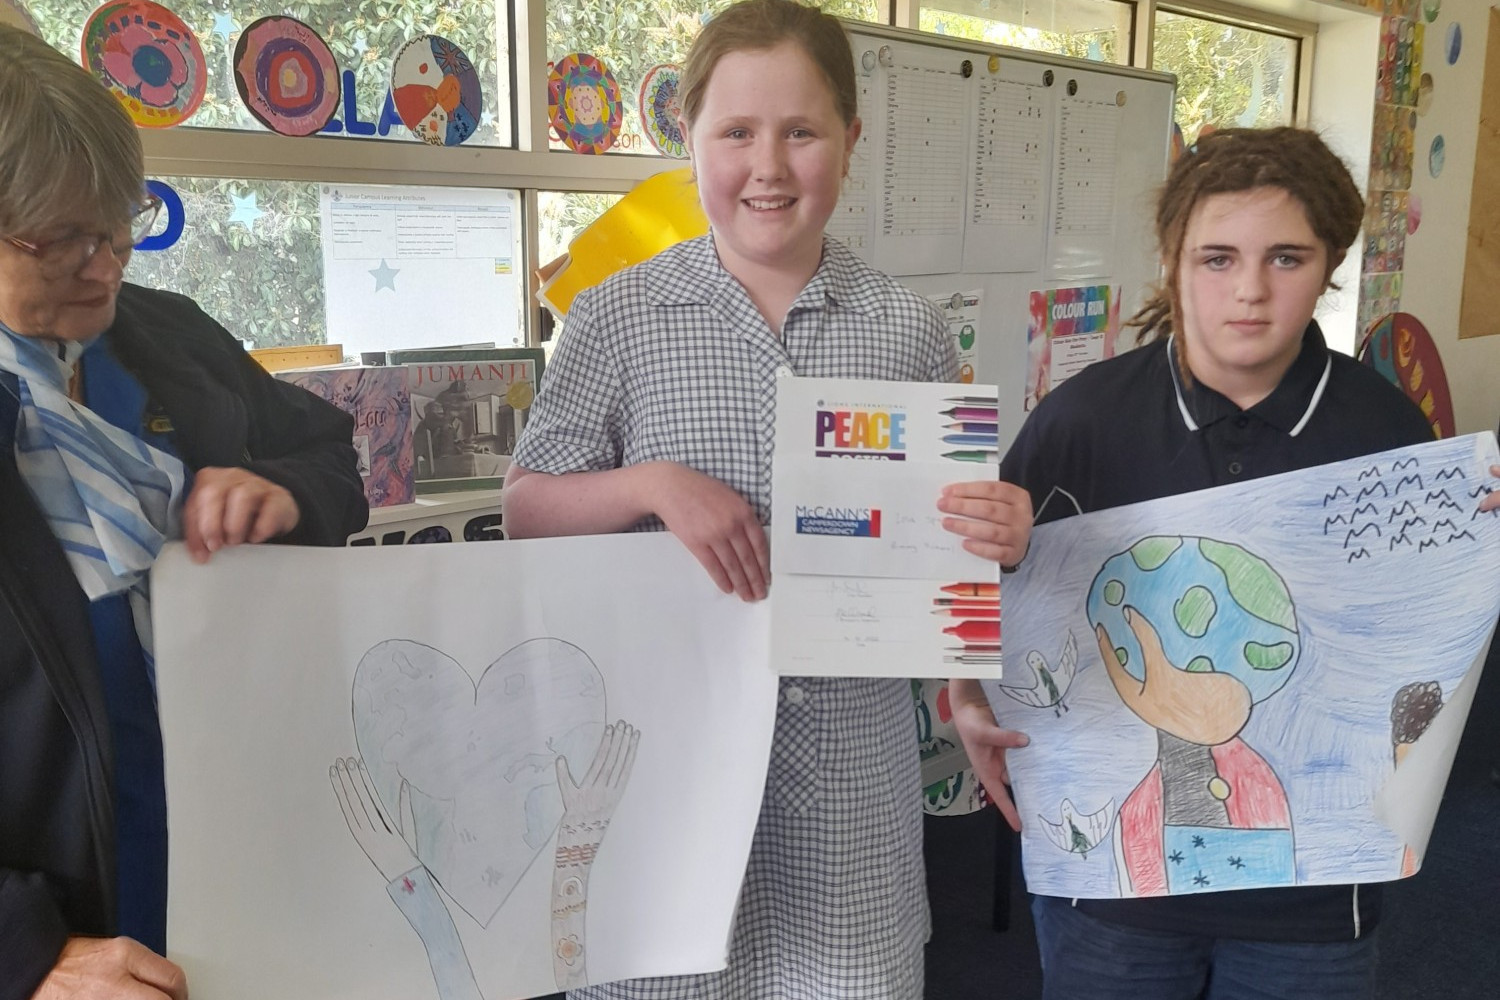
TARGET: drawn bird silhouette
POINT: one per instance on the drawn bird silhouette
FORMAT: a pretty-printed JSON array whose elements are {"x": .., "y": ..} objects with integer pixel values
[
  {"x": 1049, "y": 685},
  {"x": 1078, "y": 833}
]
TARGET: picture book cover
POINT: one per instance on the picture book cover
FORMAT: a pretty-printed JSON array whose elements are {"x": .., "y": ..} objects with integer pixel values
[
  {"x": 468, "y": 408},
  {"x": 380, "y": 402}
]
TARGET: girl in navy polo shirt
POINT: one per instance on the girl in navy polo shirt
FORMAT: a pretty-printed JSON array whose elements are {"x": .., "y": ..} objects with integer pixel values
[{"x": 1235, "y": 383}]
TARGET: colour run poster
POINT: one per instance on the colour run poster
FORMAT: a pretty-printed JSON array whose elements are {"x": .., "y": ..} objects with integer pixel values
[{"x": 1070, "y": 329}]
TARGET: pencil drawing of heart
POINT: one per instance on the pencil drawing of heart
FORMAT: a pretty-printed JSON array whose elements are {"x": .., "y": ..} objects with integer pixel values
[{"x": 479, "y": 757}]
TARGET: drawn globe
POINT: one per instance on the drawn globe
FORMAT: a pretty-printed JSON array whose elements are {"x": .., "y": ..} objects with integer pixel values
[{"x": 1215, "y": 605}]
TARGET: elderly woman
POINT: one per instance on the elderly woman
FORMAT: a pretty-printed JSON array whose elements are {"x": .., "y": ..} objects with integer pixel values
[{"x": 127, "y": 417}]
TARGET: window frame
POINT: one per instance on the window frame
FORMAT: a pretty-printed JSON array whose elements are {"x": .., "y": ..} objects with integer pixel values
[
  {"x": 531, "y": 167},
  {"x": 1304, "y": 33}
]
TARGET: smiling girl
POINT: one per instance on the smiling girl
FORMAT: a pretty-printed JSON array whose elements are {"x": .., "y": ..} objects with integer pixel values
[{"x": 658, "y": 413}]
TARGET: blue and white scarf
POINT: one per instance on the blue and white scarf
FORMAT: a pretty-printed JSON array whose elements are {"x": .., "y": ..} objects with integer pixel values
[{"x": 111, "y": 499}]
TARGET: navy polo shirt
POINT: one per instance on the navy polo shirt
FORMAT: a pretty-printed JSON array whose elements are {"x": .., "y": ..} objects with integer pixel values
[{"x": 1132, "y": 428}]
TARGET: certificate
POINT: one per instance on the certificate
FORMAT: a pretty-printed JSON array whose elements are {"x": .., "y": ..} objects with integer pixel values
[{"x": 866, "y": 582}]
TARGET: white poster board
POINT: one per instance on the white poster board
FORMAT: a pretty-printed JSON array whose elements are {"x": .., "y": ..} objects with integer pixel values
[{"x": 313, "y": 698}]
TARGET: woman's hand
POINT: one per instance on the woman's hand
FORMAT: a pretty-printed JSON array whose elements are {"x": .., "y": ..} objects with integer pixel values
[
  {"x": 716, "y": 524},
  {"x": 111, "y": 969},
  {"x": 994, "y": 518},
  {"x": 233, "y": 506},
  {"x": 986, "y": 743}
]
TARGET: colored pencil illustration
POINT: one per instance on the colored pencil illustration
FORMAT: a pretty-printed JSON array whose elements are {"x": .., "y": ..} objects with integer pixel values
[
  {"x": 975, "y": 631},
  {"x": 972, "y": 589},
  {"x": 972, "y": 455},
  {"x": 972, "y": 613},
  {"x": 984, "y": 413},
  {"x": 987, "y": 441},
  {"x": 973, "y": 427}
]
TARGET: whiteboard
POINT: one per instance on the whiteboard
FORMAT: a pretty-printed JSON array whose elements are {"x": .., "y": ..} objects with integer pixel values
[{"x": 985, "y": 173}]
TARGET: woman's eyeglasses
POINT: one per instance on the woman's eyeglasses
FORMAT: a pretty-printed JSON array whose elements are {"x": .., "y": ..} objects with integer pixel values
[{"x": 70, "y": 254}]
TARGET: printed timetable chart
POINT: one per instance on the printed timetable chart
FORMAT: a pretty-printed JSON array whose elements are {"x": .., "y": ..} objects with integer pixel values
[
  {"x": 1083, "y": 210},
  {"x": 924, "y": 164},
  {"x": 853, "y": 221},
  {"x": 868, "y": 581},
  {"x": 1007, "y": 220}
]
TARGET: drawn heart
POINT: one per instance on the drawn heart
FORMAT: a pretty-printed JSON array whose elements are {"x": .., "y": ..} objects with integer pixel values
[{"x": 479, "y": 758}]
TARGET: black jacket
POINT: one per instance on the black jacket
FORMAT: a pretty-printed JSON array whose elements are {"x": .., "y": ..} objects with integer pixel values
[{"x": 57, "y": 861}]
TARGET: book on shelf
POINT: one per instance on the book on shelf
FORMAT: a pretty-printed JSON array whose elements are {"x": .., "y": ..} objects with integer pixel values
[
  {"x": 468, "y": 407},
  {"x": 379, "y": 400}
]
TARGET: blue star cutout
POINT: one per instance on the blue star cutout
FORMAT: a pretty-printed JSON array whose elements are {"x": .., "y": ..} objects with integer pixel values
[
  {"x": 245, "y": 210},
  {"x": 224, "y": 25},
  {"x": 385, "y": 276},
  {"x": 1237, "y": 862},
  {"x": 1197, "y": 841},
  {"x": 1175, "y": 857},
  {"x": 485, "y": 118},
  {"x": 1200, "y": 879},
  {"x": 360, "y": 45}
]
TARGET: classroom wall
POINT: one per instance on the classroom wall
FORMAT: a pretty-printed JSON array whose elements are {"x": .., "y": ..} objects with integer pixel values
[
  {"x": 1433, "y": 282},
  {"x": 1343, "y": 78}
]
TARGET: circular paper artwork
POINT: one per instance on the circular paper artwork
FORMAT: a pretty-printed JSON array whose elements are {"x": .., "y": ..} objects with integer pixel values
[
  {"x": 436, "y": 91},
  {"x": 13, "y": 14},
  {"x": 1413, "y": 213},
  {"x": 583, "y": 103},
  {"x": 1400, "y": 348},
  {"x": 1454, "y": 42},
  {"x": 660, "y": 110},
  {"x": 1430, "y": 10},
  {"x": 286, "y": 75},
  {"x": 1437, "y": 156},
  {"x": 148, "y": 58}
]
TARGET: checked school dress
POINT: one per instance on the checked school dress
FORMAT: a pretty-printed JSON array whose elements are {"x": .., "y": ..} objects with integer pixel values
[{"x": 670, "y": 360}]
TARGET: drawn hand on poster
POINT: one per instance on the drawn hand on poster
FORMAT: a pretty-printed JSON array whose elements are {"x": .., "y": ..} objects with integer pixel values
[
  {"x": 480, "y": 777},
  {"x": 1211, "y": 814},
  {"x": 382, "y": 840},
  {"x": 587, "y": 808}
]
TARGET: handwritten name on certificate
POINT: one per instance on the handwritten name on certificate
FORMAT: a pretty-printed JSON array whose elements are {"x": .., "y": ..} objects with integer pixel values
[{"x": 866, "y": 582}]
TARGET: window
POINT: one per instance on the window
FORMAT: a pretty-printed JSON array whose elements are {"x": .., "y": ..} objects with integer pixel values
[
  {"x": 373, "y": 268},
  {"x": 1086, "y": 29},
  {"x": 364, "y": 37},
  {"x": 632, "y": 36},
  {"x": 1227, "y": 75}
]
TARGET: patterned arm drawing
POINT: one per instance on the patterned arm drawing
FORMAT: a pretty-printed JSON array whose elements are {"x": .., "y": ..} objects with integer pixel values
[
  {"x": 408, "y": 883},
  {"x": 587, "y": 808}
]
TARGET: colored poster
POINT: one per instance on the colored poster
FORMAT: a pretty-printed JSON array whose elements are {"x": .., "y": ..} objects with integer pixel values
[
  {"x": 436, "y": 90},
  {"x": 868, "y": 582},
  {"x": 961, "y": 312},
  {"x": 286, "y": 76},
  {"x": 148, "y": 58},
  {"x": 1069, "y": 329},
  {"x": 1261, "y": 684}
]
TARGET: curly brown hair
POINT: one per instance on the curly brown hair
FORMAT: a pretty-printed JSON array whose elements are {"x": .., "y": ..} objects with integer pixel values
[{"x": 1239, "y": 159}]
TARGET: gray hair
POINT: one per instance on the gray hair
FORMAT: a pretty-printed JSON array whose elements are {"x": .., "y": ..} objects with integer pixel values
[{"x": 65, "y": 141}]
